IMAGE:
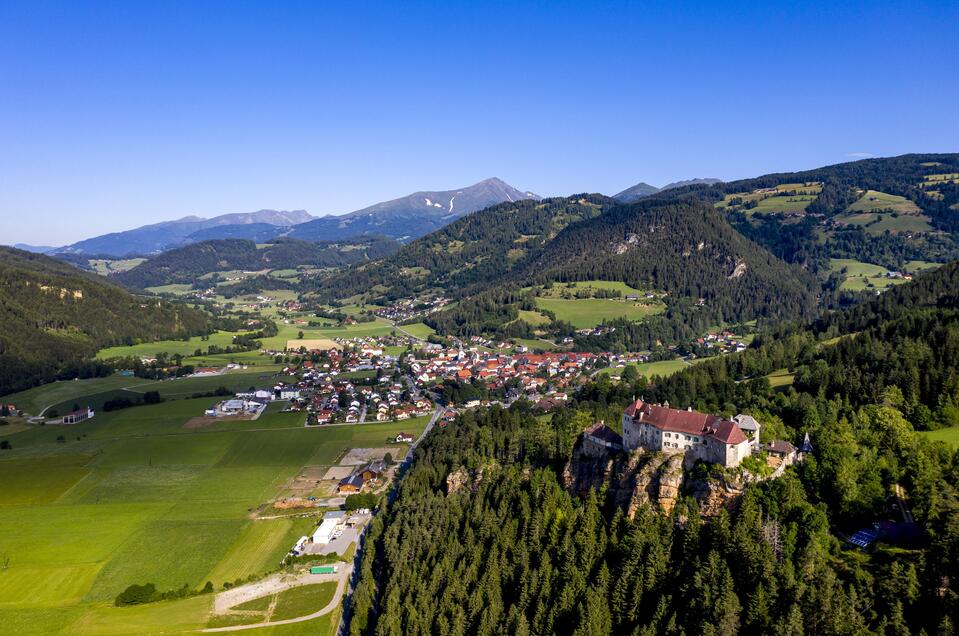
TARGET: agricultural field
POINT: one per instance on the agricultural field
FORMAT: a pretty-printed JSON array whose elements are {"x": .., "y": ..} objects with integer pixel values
[
  {"x": 914, "y": 267},
  {"x": 878, "y": 223},
  {"x": 418, "y": 330},
  {"x": 177, "y": 289},
  {"x": 590, "y": 312},
  {"x": 783, "y": 199},
  {"x": 874, "y": 201},
  {"x": 132, "y": 496},
  {"x": 34, "y": 400},
  {"x": 558, "y": 289},
  {"x": 663, "y": 368},
  {"x": 947, "y": 435},
  {"x": 935, "y": 179},
  {"x": 862, "y": 276},
  {"x": 171, "y": 347},
  {"x": 105, "y": 267}
]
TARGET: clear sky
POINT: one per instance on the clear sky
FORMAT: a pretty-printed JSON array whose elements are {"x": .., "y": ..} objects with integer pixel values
[{"x": 113, "y": 115}]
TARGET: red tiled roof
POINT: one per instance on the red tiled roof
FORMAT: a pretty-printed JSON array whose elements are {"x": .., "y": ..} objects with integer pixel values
[{"x": 687, "y": 422}]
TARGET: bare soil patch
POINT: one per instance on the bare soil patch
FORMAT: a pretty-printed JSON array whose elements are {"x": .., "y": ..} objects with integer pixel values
[
  {"x": 357, "y": 456},
  {"x": 336, "y": 473}
]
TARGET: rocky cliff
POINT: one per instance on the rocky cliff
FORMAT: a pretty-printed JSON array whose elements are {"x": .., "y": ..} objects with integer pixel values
[{"x": 642, "y": 478}]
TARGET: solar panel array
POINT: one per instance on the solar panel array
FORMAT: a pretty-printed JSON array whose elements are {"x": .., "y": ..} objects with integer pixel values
[{"x": 864, "y": 537}]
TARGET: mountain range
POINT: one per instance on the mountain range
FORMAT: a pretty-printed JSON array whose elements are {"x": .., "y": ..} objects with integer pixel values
[
  {"x": 403, "y": 219},
  {"x": 411, "y": 216},
  {"x": 157, "y": 237}
]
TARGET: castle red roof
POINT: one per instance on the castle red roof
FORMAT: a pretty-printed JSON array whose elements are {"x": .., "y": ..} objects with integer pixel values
[{"x": 687, "y": 422}]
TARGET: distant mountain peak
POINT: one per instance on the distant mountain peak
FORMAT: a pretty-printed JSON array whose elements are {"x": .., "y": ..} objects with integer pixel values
[
  {"x": 643, "y": 189},
  {"x": 414, "y": 215},
  {"x": 638, "y": 191}
]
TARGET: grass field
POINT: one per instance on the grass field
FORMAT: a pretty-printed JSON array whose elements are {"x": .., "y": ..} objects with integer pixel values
[
  {"x": 663, "y": 368},
  {"x": 533, "y": 318},
  {"x": 590, "y": 312},
  {"x": 872, "y": 201},
  {"x": 947, "y": 435},
  {"x": 183, "y": 347},
  {"x": 302, "y": 600},
  {"x": 177, "y": 289},
  {"x": 557, "y": 289},
  {"x": 879, "y": 223},
  {"x": 132, "y": 497},
  {"x": 780, "y": 379},
  {"x": 861, "y": 276},
  {"x": 920, "y": 266},
  {"x": 419, "y": 330},
  {"x": 36, "y": 399},
  {"x": 105, "y": 267}
]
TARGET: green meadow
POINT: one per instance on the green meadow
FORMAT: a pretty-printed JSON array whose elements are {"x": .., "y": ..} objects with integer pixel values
[
  {"x": 663, "y": 368},
  {"x": 418, "y": 330},
  {"x": 36, "y": 399},
  {"x": 860, "y": 276},
  {"x": 590, "y": 312},
  {"x": 947, "y": 435},
  {"x": 132, "y": 496},
  {"x": 872, "y": 201}
]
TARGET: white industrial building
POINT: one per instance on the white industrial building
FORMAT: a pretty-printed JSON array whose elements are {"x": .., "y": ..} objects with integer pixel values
[{"x": 332, "y": 521}]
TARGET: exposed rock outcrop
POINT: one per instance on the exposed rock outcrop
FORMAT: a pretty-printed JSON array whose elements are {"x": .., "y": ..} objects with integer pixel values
[
  {"x": 463, "y": 478},
  {"x": 645, "y": 479}
]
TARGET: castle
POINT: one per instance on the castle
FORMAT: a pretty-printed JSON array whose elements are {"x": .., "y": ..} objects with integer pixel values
[{"x": 699, "y": 435}]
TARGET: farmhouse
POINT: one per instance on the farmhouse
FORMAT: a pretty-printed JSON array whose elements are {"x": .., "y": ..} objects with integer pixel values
[
  {"x": 351, "y": 484},
  {"x": 75, "y": 417},
  {"x": 403, "y": 437},
  {"x": 702, "y": 436}
]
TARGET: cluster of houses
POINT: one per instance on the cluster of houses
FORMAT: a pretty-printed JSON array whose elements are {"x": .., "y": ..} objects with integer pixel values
[
  {"x": 721, "y": 342},
  {"x": 331, "y": 399},
  {"x": 526, "y": 373},
  {"x": 410, "y": 308}
]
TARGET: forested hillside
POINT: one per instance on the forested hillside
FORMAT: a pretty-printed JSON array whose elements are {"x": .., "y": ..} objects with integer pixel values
[
  {"x": 469, "y": 253},
  {"x": 512, "y": 551},
  {"x": 831, "y": 224},
  {"x": 53, "y": 318},
  {"x": 711, "y": 275},
  {"x": 686, "y": 249},
  {"x": 187, "y": 264}
]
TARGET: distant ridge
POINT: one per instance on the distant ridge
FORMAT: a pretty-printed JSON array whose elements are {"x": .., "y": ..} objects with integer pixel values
[
  {"x": 414, "y": 215},
  {"x": 157, "y": 237},
  {"x": 36, "y": 249},
  {"x": 402, "y": 219},
  {"x": 642, "y": 189}
]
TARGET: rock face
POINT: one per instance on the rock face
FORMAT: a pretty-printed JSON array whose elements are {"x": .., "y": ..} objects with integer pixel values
[
  {"x": 670, "y": 483},
  {"x": 645, "y": 479},
  {"x": 463, "y": 478},
  {"x": 715, "y": 495}
]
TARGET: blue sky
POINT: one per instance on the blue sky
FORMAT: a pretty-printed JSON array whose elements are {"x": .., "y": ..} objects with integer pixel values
[{"x": 113, "y": 115}]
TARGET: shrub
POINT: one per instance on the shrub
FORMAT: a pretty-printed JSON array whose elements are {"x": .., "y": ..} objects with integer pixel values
[
  {"x": 360, "y": 500},
  {"x": 136, "y": 595}
]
